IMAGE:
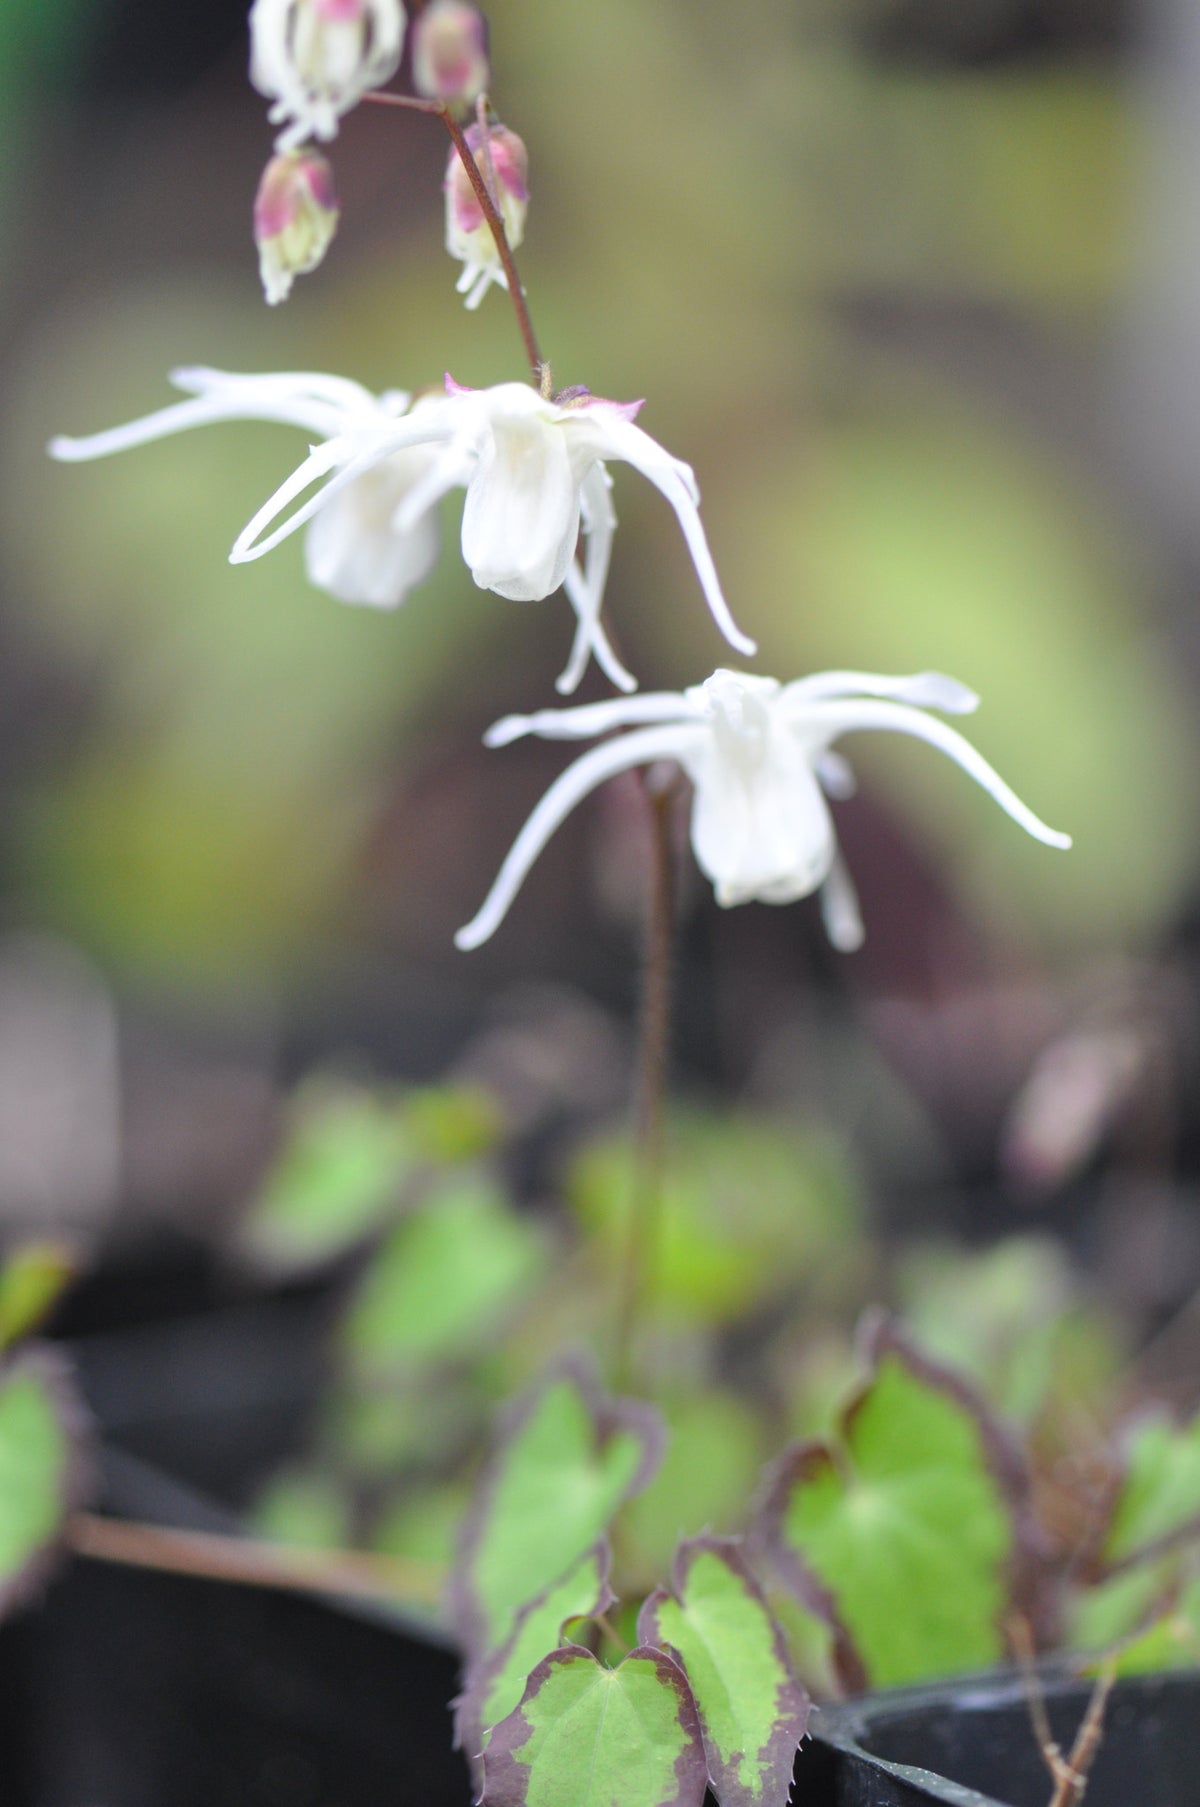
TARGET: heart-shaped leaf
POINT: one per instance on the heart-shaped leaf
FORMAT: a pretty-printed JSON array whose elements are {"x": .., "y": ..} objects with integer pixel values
[
  {"x": 444, "y": 1278},
  {"x": 752, "y": 1709},
  {"x": 566, "y": 1460},
  {"x": 587, "y": 1736},
  {"x": 495, "y": 1686},
  {"x": 902, "y": 1533}
]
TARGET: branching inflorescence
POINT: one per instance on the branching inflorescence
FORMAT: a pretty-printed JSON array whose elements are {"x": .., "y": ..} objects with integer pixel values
[{"x": 533, "y": 463}]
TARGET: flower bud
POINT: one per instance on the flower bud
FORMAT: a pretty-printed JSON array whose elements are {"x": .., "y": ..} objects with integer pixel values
[
  {"x": 449, "y": 57},
  {"x": 502, "y": 162},
  {"x": 317, "y": 58},
  {"x": 295, "y": 218}
]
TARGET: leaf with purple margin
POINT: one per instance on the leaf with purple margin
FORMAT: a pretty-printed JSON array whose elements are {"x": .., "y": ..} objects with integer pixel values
[
  {"x": 494, "y": 1687},
  {"x": 752, "y": 1709},
  {"x": 904, "y": 1534},
  {"x": 587, "y": 1736},
  {"x": 43, "y": 1470},
  {"x": 566, "y": 1460}
]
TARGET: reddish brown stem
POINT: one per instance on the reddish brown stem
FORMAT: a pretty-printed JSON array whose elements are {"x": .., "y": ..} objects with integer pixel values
[
  {"x": 491, "y": 213},
  {"x": 642, "y": 1247}
]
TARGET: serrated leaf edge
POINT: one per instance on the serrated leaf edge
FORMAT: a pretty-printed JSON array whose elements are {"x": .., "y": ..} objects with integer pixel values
[
  {"x": 500, "y": 1750},
  {"x": 609, "y": 1416},
  {"x": 729, "y": 1551}
]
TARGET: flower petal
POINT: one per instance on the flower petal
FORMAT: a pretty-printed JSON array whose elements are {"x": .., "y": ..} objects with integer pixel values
[
  {"x": 321, "y": 460},
  {"x": 926, "y": 690},
  {"x": 836, "y": 776},
  {"x": 824, "y": 721},
  {"x": 354, "y": 551},
  {"x": 246, "y": 401},
  {"x": 617, "y": 437},
  {"x": 585, "y": 589},
  {"x": 640, "y": 748},
  {"x": 521, "y": 517},
  {"x": 839, "y": 908},
  {"x": 444, "y": 472},
  {"x": 342, "y": 393},
  {"x": 354, "y": 453},
  {"x": 760, "y": 830},
  {"x": 588, "y": 719}
]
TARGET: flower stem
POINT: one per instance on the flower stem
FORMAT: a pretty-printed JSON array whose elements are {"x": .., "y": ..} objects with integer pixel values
[
  {"x": 491, "y": 213},
  {"x": 357, "y": 1573},
  {"x": 643, "y": 1237}
]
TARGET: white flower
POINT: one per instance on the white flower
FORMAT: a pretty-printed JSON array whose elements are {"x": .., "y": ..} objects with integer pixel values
[
  {"x": 353, "y": 549},
  {"x": 317, "y": 58},
  {"x": 757, "y": 753},
  {"x": 533, "y": 471}
]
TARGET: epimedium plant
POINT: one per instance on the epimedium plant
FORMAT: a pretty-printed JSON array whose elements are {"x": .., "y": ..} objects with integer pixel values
[{"x": 894, "y": 1547}]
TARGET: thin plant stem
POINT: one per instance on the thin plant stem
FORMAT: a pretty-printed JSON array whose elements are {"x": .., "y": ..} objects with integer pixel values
[
  {"x": 1068, "y": 1774},
  {"x": 356, "y": 1573},
  {"x": 539, "y": 369},
  {"x": 644, "y": 1232}
]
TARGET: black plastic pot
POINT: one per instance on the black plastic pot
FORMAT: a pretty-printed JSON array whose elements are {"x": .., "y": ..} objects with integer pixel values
[
  {"x": 132, "y": 1689},
  {"x": 972, "y": 1743}
]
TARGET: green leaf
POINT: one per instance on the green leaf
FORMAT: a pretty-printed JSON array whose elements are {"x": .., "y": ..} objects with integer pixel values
[
  {"x": 1126, "y": 1605},
  {"x": 493, "y": 1688},
  {"x": 1153, "y": 1601},
  {"x": 453, "y": 1122},
  {"x": 31, "y": 1282},
  {"x": 41, "y": 1470},
  {"x": 445, "y": 1278},
  {"x": 1171, "y": 1641},
  {"x": 710, "y": 1469},
  {"x": 749, "y": 1209},
  {"x": 902, "y": 1535},
  {"x": 421, "y": 1524},
  {"x": 305, "y": 1509},
  {"x": 343, "y": 1166},
  {"x": 1161, "y": 1489},
  {"x": 566, "y": 1460},
  {"x": 752, "y": 1709},
  {"x": 997, "y": 1315},
  {"x": 586, "y": 1736}
]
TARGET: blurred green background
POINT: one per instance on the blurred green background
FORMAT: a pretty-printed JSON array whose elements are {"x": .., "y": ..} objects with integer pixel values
[{"x": 886, "y": 272}]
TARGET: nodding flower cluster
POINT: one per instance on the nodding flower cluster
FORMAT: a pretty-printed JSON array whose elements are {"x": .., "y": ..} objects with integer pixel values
[
  {"x": 537, "y": 513},
  {"x": 315, "y": 60}
]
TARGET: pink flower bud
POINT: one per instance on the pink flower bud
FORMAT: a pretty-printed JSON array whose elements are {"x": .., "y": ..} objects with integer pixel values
[
  {"x": 295, "y": 218},
  {"x": 449, "y": 55},
  {"x": 503, "y": 163}
]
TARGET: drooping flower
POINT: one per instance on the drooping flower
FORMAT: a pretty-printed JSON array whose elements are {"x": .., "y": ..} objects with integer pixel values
[
  {"x": 534, "y": 472},
  {"x": 450, "y": 53},
  {"x": 758, "y": 755},
  {"x": 352, "y": 549},
  {"x": 372, "y": 528},
  {"x": 503, "y": 163},
  {"x": 295, "y": 218},
  {"x": 317, "y": 58}
]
